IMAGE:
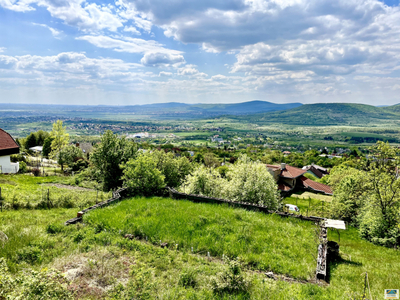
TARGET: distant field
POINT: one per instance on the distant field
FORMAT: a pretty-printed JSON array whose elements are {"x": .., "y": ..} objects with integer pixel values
[
  {"x": 306, "y": 195},
  {"x": 265, "y": 242}
]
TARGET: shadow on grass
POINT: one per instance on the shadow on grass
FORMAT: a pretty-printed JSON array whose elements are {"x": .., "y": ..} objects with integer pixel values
[{"x": 335, "y": 261}]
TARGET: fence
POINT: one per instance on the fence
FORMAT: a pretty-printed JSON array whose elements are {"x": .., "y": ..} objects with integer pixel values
[
  {"x": 117, "y": 196},
  {"x": 249, "y": 206}
]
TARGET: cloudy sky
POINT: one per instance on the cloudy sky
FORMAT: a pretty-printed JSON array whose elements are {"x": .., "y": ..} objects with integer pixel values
[{"x": 147, "y": 51}]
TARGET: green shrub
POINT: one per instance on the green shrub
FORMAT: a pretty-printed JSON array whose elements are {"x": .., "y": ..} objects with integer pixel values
[
  {"x": 23, "y": 168},
  {"x": 30, "y": 254},
  {"x": 54, "y": 228},
  {"x": 231, "y": 280},
  {"x": 187, "y": 279}
]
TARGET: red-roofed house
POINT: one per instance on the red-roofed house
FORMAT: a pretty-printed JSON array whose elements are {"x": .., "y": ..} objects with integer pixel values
[
  {"x": 289, "y": 178},
  {"x": 8, "y": 146}
]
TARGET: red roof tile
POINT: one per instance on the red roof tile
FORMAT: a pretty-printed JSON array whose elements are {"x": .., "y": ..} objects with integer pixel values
[
  {"x": 316, "y": 186},
  {"x": 7, "y": 144},
  {"x": 292, "y": 172}
]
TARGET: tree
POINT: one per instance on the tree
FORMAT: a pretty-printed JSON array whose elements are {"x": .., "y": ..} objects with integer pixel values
[
  {"x": 109, "y": 156},
  {"x": 210, "y": 160},
  {"x": 60, "y": 140},
  {"x": 174, "y": 169},
  {"x": 250, "y": 181},
  {"x": 71, "y": 154},
  {"x": 142, "y": 177},
  {"x": 381, "y": 214},
  {"x": 47, "y": 146},
  {"x": 203, "y": 181},
  {"x": 30, "y": 141},
  {"x": 349, "y": 194}
]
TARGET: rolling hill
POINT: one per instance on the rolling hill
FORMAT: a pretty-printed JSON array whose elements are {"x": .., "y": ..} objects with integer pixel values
[{"x": 323, "y": 114}]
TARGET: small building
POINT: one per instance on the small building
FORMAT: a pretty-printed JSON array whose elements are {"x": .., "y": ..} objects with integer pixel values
[
  {"x": 37, "y": 149},
  {"x": 316, "y": 170},
  {"x": 291, "y": 178},
  {"x": 8, "y": 146}
]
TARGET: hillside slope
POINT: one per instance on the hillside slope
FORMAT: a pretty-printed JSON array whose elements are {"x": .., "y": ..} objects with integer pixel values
[{"x": 323, "y": 114}]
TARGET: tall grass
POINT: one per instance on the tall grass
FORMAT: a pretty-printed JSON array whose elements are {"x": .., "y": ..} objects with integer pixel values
[
  {"x": 28, "y": 192},
  {"x": 28, "y": 241},
  {"x": 264, "y": 242}
]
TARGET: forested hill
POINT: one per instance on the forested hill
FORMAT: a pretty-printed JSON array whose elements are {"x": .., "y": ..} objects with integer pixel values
[
  {"x": 169, "y": 110},
  {"x": 323, "y": 114}
]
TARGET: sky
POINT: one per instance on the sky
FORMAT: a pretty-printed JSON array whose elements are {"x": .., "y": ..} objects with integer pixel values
[{"x": 129, "y": 52}]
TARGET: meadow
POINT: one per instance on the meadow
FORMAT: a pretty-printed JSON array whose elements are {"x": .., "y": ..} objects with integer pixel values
[
  {"x": 264, "y": 242},
  {"x": 30, "y": 192},
  {"x": 101, "y": 264}
]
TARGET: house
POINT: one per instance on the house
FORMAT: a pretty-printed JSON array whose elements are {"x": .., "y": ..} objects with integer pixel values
[
  {"x": 286, "y": 152},
  {"x": 291, "y": 178},
  {"x": 316, "y": 170},
  {"x": 37, "y": 149},
  {"x": 8, "y": 146}
]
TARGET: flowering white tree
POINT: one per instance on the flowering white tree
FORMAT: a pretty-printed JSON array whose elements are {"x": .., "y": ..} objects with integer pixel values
[
  {"x": 203, "y": 181},
  {"x": 250, "y": 181}
]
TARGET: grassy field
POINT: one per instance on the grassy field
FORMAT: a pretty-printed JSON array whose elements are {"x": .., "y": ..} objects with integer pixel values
[
  {"x": 265, "y": 242},
  {"x": 307, "y": 195},
  {"x": 101, "y": 264},
  {"x": 26, "y": 191}
]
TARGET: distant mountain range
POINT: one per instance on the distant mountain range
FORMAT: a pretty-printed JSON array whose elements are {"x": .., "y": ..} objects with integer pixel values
[
  {"x": 259, "y": 112},
  {"x": 171, "y": 109}
]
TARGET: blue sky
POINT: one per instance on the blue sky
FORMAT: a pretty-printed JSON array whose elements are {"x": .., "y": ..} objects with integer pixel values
[{"x": 211, "y": 51}]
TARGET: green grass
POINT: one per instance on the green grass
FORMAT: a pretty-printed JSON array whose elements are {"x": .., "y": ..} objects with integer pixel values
[
  {"x": 311, "y": 207},
  {"x": 26, "y": 191},
  {"x": 106, "y": 258},
  {"x": 265, "y": 242},
  {"x": 28, "y": 243}
]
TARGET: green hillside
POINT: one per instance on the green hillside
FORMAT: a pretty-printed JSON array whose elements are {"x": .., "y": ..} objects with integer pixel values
[{"x": 323, "y": 114}]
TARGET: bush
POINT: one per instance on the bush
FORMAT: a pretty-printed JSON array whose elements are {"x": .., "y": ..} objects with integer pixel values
[
  {"x": 142, "y": 177},
  {"x": 23, "y": 168},
  {"x": 36, "y": 172},
  {"x": 54, "y": 228},
  {"x": 231, "y": 280}
]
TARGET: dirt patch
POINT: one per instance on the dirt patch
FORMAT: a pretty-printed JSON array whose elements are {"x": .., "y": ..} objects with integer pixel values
[
  {"x": 69, "y": 187},
  {"x": 93, "y": 274}
]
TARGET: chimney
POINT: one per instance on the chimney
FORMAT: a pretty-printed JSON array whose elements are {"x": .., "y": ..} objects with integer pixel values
[{"x": 283, "y": 166}]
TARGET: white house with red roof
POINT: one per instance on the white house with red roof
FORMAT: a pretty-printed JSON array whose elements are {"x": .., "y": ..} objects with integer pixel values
[
  {"x": 8, "y": 146},
  {"x": 289, "y": 178}
]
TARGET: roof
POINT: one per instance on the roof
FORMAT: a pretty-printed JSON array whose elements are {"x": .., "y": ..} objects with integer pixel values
[
  {"x": 316, "y": 186},
  {"x": 316, "y": 172},
  {"x": 274, "y": 167},
  {"x": 8, "y": 145},
  {"x": 292, "y": 172},
  {"x": 284, "y": 187},
  {"x": 338, "y": 224},
  {"x": 37, "y": 148}
]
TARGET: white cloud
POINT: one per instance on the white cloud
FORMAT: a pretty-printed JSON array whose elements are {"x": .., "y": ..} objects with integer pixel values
[
  {"x": 158, "y": 59},
  {"x": 164, "y": 74},
  {"x": 2, "y": 49},
  {"x": 56, "y": 33},
  {"x": 130, "y": 45},
  {"x": 17, "y": 5},
  {"x": 132, "y": 30},
  {"x": 190, "y": 70}
]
